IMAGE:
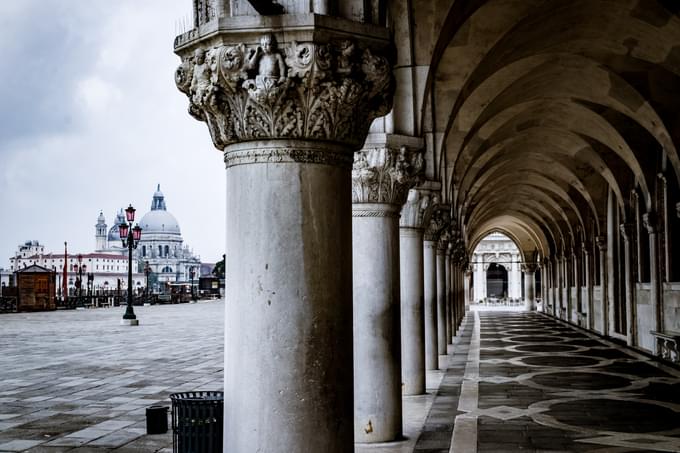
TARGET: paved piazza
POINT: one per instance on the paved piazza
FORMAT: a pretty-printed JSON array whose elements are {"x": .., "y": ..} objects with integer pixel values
[{"x": 77, "y": 381}]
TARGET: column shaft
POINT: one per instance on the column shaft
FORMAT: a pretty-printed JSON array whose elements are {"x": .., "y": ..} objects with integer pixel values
[
  {"x": 288, "y": 316},
  {"x": 377, "y": 367},
  {"x": 412, "y": 311},
  {"x": 430, "y": 294},
  {"x": 441, "y": 302},
  {"x": 449, "y": 299}
]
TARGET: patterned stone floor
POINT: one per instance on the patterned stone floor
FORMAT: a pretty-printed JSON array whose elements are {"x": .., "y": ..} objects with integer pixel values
[
  {"x": 77, "y": 381},
  {"x": 533, "y": 384}
]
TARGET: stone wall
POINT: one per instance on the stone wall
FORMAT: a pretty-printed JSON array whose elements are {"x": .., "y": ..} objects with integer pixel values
[
  {"x": 671, "y": 304},
  {"x": 597, "y": 308}
]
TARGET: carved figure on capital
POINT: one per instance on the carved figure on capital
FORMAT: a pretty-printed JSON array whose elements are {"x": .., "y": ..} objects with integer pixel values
[
  {"x": 649, "y": 221},
  {"x": 413, "y": 211},
  {"x": 436, "y": 219},
  {"x": 385, "y": 174},
  {"x": 298, "y": 90}
]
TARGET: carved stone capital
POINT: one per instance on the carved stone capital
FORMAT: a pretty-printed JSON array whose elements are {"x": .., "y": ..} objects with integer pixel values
[
  {"x": 677, "y": 209},
  {"x": 384, "y": 174},
  {"x": 627, "y": 230},
  {"x": 649, "y": 220},
  {"x": 413, "y": 211},
  {"x": 436, "y": 221},
  {"x": 443, "y": 242},
  {"x": 312, "y": 86},
  {"x": 530, "y": 268},
  {"x": 601, "y": 242}
]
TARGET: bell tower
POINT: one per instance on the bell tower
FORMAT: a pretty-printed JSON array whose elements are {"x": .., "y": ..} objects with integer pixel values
[{"x": 100, "y": 229}]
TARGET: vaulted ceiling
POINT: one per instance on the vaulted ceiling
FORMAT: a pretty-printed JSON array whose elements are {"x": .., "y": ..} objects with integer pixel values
[{"x": 538, "y": 108}]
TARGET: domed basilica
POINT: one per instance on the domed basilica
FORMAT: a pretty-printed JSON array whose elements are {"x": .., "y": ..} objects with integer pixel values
[{"x": 161, "y": 246}]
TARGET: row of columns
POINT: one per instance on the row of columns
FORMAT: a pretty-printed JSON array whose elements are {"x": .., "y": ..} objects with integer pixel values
[{"x": 324, "y": 320}]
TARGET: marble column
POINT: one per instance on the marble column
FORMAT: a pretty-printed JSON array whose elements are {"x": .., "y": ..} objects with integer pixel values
[
  {"x": 430, "y": 301},
  {"x": 650, "y": 222},
  {"x": 588, "y": 284},
  {"x": 442, "y": 246},
  {"x": 530, "y": 287},
  {"x": 412, "y": 293},
  {"x": 449, "y": 296},
  {"x": 627, "y": 231},
  {"x": 384, "y": 170},
  {"x": 288, "y": 313},
  {"x": 466, "y": 303},
  {"x": 601, "y": 242}
]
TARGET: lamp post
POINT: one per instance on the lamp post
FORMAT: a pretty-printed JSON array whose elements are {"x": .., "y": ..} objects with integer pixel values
[
  {"x": 79, "y": 281},
  {"x": 147, "y": 271},
  {"x": 130, "y": 237},
  {"x": 192, "y": 272}
]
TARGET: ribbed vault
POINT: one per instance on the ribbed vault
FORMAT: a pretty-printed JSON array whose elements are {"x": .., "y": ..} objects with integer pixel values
[{"x": 540, "y": 108}]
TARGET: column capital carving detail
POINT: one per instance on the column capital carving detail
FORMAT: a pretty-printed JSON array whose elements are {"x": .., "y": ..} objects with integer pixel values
[
  {"x": 649, "y": 220},
  {"x": 436, "y": 220},
  {"x": 413, "y": 211},
  {"x": 601, "y": 242},
  {"x": 385, "y": 173},
  {"x": 530, "y": 267},
  {"x": 327, "y": 90},
  {"x": 627, "y": 230}
]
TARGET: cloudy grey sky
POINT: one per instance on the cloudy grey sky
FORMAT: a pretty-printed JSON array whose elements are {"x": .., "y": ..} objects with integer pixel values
[{"x": 90, "y": 120}]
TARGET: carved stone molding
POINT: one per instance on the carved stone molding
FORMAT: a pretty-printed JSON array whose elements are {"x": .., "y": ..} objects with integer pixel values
[
  {"x": 374, "y": 210},
  {"x": 601, "y": 242},
  {"x": 299, "y": 152},
  {"x": 384, "y": 174},
  {"x": 443, "y": 242},
  {"x": 297, "y": 90}
]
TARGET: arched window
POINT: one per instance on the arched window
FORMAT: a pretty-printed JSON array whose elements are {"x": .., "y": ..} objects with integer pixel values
[
  {"x": 167, "y": 270},
  {"x": 144, "y": 250},
  {"x": 167, "y": 250},
  {"x": 160, "y": 250}
]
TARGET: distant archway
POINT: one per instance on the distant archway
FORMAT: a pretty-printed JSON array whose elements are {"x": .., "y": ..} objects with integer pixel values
[{"x": 496, "y": 281}]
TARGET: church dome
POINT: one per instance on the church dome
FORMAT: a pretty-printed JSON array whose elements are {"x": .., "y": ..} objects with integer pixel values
[
  {"x": 114, "y": 233},
  {"x": 159, "y": 220}
]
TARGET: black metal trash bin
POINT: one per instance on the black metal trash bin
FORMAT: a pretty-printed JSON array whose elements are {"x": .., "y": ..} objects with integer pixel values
[{"x": 197, "y": 422}]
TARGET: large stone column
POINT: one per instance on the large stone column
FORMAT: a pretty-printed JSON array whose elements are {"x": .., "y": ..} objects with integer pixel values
[
  {"x": 601, "y": 242},
  {"x": 384, "y": 170},
  {"x": 627, "y": 230},
  {"x": 588, "y": 283},
  {"x": 442, "y": 247},
  {"x": 430, "y": 299},
  {"x": 449, "y": 296},
  {"x": 436, "y": 219},
  {"x": 530, "y": 287},
  {"x": 288, "y": 135},
  {"x": 412, "y": 292},
  {"x": 650, "y": 222}
]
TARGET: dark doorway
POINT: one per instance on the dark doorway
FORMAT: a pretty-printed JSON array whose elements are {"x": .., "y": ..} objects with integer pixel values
[{"x": 496, "y": 281}]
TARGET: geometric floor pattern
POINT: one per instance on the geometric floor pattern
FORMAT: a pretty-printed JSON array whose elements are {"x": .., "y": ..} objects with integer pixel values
[
  {"x": 534, "y": 384},
  {"x": 77, "y": 381}
]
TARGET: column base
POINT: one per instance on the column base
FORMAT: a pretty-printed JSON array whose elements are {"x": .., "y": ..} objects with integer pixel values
[{"x": 129, "y": 322}]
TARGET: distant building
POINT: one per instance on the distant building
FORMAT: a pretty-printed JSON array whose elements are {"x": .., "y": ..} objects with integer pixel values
[{"x": 161, "y": 246}]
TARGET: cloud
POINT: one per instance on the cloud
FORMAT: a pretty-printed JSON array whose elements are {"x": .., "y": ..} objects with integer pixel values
[{"x": 91, "y": 120}]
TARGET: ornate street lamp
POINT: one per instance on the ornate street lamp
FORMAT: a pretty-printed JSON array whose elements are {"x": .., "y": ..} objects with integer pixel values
[
  {"x": 130, "y": 238},
  {"x": 192, "y": 272}
]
